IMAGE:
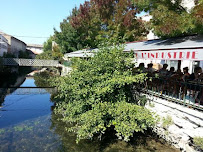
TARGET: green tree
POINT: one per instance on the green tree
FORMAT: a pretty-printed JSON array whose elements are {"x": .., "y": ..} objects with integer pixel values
[
  {"x": 8, "y": 55},
  {"x": 100, "y": 94},
  {"x": 24, "y": 54},
  {"x": 50, "y": 52},
  {"x": 197, "y": 14},
  {"x": 170, "y": 18},
  {"x": 68, "y": 38},
  {"x": 109, "y": 19},
  {"x": 45, "y": 56},
  {"x": 96, "y": 21},
  {"x": 57, "y": 55},
  {"x": 47, "y": 46}
]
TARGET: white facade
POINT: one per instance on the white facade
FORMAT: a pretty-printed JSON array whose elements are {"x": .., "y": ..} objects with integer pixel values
[
  {"x": 35, "y": 48},
  {"x": 14, "y": 45},
  {"x": 3, "y": 45},
  {"x": 188, "y": 4}
]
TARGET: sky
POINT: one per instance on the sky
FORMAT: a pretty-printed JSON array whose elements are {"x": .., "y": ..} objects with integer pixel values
[{"x": 28, "y": 19}]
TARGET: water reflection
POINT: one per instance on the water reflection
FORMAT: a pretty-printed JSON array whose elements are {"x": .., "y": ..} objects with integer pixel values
[
  {"x": 18, "y": 108},
  {"x": 28, "y": 124},
  {"x": 11, "y": 77}
]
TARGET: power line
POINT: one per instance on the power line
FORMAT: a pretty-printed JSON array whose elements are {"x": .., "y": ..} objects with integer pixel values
[
  {"x": 31, "y": 36},
  {"x": 23, "y": 36}
]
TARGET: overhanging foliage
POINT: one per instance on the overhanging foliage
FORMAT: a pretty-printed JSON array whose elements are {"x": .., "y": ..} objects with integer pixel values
[{"x": 100, "y": 93}]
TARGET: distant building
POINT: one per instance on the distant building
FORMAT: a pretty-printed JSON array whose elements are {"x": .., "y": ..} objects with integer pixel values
[
  {"x": 35, "y": 48},
  {"x": 15, "y": 45},
  {"x": 150, "y": 35},
  {"x": 188, "y": 4},
  {"x": 3, "y": 45}
]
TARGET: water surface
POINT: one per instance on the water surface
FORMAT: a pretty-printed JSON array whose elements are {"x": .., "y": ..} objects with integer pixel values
[{"x": 27, "y": 124}]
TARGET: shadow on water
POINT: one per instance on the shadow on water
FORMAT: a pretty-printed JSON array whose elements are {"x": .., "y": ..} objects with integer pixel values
[{"x": 11, "y": 76}]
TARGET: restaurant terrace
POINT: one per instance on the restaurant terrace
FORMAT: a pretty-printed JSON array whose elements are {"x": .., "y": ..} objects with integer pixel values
[{"x": 182, "y": 79}]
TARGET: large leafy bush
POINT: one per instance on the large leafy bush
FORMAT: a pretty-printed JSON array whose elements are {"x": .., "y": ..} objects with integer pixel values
[{"x": 100, "y": 93}]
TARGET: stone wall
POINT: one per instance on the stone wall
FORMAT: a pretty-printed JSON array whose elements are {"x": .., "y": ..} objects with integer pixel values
[{"x": 185, "y": 125}]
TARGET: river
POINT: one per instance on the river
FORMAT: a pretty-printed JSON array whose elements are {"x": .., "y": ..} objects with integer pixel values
[{"x": 27, "y": 124}]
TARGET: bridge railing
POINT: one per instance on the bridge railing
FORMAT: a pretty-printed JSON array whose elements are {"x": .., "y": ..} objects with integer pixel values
[
  {"x": 186, "y": 93},
  {"x": 28, "y": 62}
]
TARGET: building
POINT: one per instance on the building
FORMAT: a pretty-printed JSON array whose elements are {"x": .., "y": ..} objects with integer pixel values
[
  {"x": 176, "y": 52},
  {"x": 14, "y": 45},
  {"x": 188, "y": 4},
  {"x": 3, "y": 45},
  {"x": 35, "y": 48}
]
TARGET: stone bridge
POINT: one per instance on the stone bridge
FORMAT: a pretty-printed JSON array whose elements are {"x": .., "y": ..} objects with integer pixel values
[{"x": 29, "y": 62}]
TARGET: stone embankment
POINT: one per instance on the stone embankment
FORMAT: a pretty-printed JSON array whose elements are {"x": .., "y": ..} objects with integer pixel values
[{"x": 178, "y": 125}]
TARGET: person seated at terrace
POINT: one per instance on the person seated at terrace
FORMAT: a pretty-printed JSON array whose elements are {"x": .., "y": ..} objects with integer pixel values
[
  {"x": 186, "y": 74},
  {"x": 197, "y": 75},
  {"x": 163, "y": 72},
  {"x": 196, "y": 79},
  {"x": 179, "y": 72},
  {"x": 179, "y": 75},
  {"x": 171, "y": 72},
  {"x": 149, "y": 68}
]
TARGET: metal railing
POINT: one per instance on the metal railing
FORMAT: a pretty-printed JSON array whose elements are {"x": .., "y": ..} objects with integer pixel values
[
  {"x": 28, "y": 62},
  {"x": 186, "y": 93}
]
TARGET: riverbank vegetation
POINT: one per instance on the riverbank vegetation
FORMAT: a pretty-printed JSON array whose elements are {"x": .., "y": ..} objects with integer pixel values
[{"x": 100, "y": 94}]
